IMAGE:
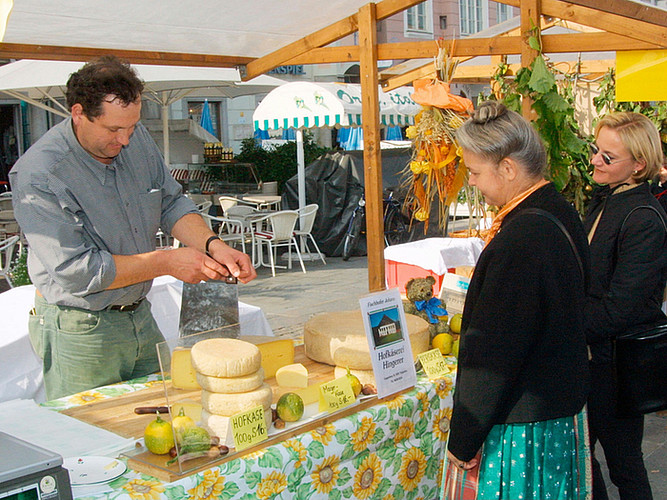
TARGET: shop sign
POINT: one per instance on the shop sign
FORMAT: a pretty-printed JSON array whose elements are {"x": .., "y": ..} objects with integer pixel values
[{"x": 388, "y": 341}]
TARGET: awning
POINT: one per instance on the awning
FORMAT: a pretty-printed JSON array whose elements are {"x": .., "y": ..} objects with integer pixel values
[{"x": 303, "y": 105}]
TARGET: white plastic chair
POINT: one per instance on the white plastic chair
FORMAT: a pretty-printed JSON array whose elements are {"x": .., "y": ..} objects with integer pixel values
[
  {"x": 307, "y": 216},
  {"x": 6, "y": 255},
  {"x": 204, "y": 206},
  {"x": 279, "y": 232},
  {"x": 227, "y": 202},
  {"x": 231, "y": 231}
]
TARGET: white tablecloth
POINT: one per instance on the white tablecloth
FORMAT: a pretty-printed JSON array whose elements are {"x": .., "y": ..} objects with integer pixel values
[
  {"x": 21, "y": 369},
  {"x": 437, "y": 254}
]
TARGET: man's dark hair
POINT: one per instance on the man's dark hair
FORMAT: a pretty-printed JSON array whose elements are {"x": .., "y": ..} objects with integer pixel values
[{"x": 98, "y": 79}]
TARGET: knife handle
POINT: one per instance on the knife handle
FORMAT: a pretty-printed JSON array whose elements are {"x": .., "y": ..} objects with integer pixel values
[{"x": 146, "y": 410}]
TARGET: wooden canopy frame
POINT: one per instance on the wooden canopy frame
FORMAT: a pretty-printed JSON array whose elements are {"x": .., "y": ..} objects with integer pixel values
[{"x": 627, "y": 26}]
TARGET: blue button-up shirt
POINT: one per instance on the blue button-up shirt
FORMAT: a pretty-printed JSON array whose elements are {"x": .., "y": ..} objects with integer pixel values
[{"x": 76, "y": 213}]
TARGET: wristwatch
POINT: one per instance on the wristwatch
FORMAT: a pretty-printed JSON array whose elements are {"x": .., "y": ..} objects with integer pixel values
[{"x": 208, "y": 244}]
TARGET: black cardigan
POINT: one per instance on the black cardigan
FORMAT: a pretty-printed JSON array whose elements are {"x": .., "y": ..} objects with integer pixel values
[
  {"x": 523, "y": 355},
  {"x": 626, "y": 290}
]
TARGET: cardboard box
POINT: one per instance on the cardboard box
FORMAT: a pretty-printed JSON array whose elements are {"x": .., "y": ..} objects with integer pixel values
[
  {"x": 453, "y": 292},
  {"x": 397, "y": 274}
]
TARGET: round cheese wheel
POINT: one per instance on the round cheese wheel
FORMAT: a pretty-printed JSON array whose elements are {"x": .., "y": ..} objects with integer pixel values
[
  {"x": 225, "y": 358},
  {"x": 231, "y": 385},
  {"x": 339, "y": 339},
  {"x": 364, "y": 376},
  {"x": 230, "y": 404},
  {"x": 217, "y": 425}
]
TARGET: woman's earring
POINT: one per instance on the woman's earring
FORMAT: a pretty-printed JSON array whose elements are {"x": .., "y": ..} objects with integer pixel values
[{"x": 635, "y": 172}]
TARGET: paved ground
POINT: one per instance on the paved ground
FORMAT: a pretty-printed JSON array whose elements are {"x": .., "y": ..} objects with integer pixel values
[{"x": 289, "y": 299}]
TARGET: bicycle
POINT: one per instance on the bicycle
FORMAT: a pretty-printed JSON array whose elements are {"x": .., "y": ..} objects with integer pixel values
[{"x": 396, "y": 225}]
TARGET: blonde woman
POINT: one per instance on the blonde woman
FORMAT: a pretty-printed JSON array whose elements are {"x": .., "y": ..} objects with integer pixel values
[{"x": 628, "y": 272}]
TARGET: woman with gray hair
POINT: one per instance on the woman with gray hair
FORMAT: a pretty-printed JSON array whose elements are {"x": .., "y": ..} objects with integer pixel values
[
  {"x": 628, "y": 242},
  {"x": 518, "y": 421}
]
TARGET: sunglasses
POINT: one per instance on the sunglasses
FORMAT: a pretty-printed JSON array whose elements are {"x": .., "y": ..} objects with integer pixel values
[{"x": 605, "y": 157}]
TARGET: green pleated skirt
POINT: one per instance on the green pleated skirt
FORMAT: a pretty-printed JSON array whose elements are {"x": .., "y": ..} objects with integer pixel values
[{"x": 548, "y": 460}]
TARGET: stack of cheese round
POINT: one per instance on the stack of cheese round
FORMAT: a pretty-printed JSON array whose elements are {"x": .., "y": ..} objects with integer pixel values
[
  {"x": 339, "y": 339},
  {"x": 230, "y": 374}
]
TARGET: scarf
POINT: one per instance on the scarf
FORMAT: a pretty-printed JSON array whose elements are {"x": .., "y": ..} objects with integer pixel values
[{"x": 509, "y": 206}]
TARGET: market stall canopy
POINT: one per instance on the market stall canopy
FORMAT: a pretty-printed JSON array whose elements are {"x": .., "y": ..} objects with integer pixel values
[
  {"x": 303, "y": 105},
  {"x": 251, "y": 29}
]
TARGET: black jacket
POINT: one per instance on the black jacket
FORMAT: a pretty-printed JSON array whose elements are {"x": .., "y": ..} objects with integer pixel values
[
  {"x": 523, "y": 354},
  {"x": 626, "y": 289}
]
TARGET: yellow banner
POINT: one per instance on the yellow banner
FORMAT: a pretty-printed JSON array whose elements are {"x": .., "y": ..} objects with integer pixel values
[{"x": 641, "y": 75}]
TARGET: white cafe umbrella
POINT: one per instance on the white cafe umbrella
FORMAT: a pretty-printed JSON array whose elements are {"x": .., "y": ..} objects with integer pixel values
[
  {"x": 305, "y": 105},
  {"x": 37, "y": 82}
]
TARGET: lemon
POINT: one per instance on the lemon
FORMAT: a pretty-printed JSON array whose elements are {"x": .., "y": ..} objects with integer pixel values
[
  {"x": 354, "y": 382},
  {"x": 289, "y": 407},
  {"x": 455, "y": 348},
  {"x": 159, "y": 436},
  {"x": 443, "y": 341},
  {"x": 455, "y": 323},
  {"x": 181, "y": 423}
]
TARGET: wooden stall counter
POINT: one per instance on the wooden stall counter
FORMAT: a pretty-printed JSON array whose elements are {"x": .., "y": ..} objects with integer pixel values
[{"x": 398, "y": 443}]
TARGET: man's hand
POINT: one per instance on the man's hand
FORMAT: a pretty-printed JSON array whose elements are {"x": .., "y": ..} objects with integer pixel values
[{"x": 238, "y": 263}]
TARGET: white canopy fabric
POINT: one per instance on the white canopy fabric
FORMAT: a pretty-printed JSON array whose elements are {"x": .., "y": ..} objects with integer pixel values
[
  {"x": 303, "y": 105},
  {"x": 38, "y": 81},
  {"x": 252, "y": 28}
]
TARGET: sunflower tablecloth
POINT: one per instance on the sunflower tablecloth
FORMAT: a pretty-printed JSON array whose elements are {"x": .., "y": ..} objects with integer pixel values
[{"x": 393, "y": 450}]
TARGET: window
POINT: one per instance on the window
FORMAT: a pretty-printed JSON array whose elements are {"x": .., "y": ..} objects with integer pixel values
[
  {"x": 474, "y": 16},
  {"x": 504, "y": 12},
  {"x": 419, "y": 20}
]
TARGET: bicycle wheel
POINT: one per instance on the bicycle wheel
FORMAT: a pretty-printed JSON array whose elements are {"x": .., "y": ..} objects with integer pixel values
[
  {"x": 396, "y": 230},
  {"x": 352, "y": 236}
]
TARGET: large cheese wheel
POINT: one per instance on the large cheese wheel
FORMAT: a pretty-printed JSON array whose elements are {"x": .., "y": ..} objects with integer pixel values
[
  {"x": 231, "y": 385},
  {"x": 217, "y": 425},
  {"x": 364, "y": 376},
  {"x": 339, "y": 339},
  {"x": 225, "y": 358},
  {"x": 230, "y": 404}
]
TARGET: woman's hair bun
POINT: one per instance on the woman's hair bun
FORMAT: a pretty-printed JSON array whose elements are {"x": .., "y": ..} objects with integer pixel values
[{"x": 487, "y": 111}]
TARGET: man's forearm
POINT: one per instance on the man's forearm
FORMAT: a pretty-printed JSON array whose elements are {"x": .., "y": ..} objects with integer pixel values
[{"x": 132, "y": 269}]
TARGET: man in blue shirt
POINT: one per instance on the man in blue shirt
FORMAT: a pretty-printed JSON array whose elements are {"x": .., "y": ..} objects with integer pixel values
[{"x": 90, "y": 196}]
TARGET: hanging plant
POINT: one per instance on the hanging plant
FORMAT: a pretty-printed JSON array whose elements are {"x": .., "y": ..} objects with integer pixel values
[
  {"x": 552, "y": 95},
  {"x": 436, "y": 171}
]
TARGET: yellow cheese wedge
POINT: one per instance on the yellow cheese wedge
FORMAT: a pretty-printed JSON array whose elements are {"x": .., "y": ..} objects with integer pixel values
[
  {"x": 294, "y": 375},
  {"x": 191, "y": 409},
  {"x": 275, "y": 353},
  {"x": 182, "y": 372},
  {"x": 310, "y": 394}
]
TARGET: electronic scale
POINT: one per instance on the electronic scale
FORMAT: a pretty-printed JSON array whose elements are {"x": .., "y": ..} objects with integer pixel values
[{"x": 28, "y": 472}]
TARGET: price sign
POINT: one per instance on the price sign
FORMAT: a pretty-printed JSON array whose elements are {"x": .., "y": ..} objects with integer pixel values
[
  {"x": 249, "y": 428},
  {"x": 433, "y": 363},
  {"x": 336, "y": 394}
]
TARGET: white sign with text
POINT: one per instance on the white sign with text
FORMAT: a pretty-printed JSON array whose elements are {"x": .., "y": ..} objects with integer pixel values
[{"x": 388, "y": 341}]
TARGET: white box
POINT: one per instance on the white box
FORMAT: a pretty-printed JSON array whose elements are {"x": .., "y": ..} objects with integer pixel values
[{"x": 453, "y": 292}]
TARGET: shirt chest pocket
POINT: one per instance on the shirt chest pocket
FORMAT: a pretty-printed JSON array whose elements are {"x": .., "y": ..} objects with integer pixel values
[{"x": 151, "y": 207}]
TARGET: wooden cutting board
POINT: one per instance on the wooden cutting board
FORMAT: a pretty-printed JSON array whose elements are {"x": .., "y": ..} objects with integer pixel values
[{"x": 117, "y": 415}]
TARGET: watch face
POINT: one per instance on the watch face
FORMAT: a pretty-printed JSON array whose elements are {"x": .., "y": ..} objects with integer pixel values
[{"x": 47, "y": 485}]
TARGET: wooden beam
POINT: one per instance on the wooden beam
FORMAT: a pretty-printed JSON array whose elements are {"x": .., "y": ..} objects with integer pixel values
[
  {"x": 370, "y": 119},
  {"x": 60, "y": 53},
  {"x": 649, "y": 29},
  {"x": 530, "y": 27},
  {"x": 321, "y": 38},
  {"x": 626, "y": 8},
  {"x": 471, "y": 47}
]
